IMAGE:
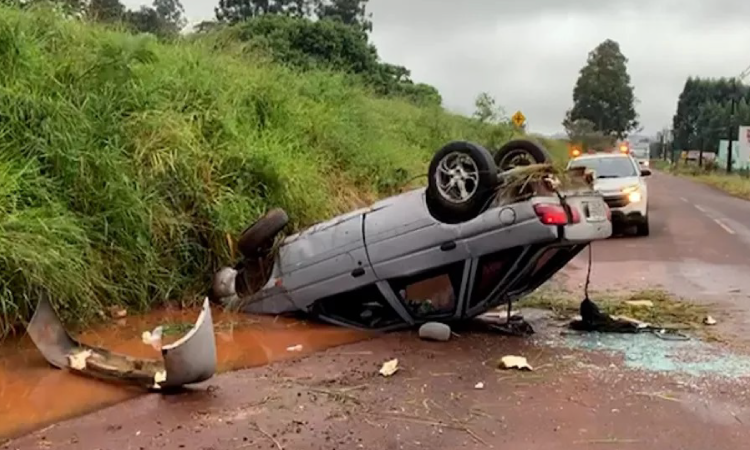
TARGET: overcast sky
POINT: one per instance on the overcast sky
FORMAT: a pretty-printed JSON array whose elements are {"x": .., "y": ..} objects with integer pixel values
[{"x": 527, "y": 54}]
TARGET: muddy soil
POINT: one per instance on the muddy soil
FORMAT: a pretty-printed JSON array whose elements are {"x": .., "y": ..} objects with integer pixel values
[{"x": 336, "y": 399}]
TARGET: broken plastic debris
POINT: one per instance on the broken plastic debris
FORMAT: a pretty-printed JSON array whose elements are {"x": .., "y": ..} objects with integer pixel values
[
  {"x": 117, "y": 313},
  {"x": 77, "y": 361},
  {"x": 153, "y": 338},
  {"x": 708, "y": 320},
  {"x": 514, "y": 362},
  {"x": 389, "y": 368},
  {"x": 160, "y": 377},
  {"x": 294, "y": 348},
  {"x": 479, "y": 385},
  {"x": 638, "y": 323},
  {"x": 640, "y": 303}
]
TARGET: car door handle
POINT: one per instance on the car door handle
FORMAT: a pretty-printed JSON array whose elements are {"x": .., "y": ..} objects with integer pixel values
[
  {"x": 448, "y": 246},
  {"x": 358, "y": 272}
]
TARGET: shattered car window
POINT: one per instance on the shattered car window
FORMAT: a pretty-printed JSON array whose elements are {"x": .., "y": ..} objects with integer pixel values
[{"x": 431, "y": 294}]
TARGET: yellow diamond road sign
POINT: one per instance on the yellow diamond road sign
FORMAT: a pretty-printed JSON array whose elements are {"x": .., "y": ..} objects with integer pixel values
[{"x": 518, "y": 118}]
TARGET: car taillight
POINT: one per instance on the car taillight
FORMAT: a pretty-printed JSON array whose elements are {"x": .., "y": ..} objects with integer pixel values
[
  {"x": 551, "y": 214},
  {"x": 575, "y": 215}
]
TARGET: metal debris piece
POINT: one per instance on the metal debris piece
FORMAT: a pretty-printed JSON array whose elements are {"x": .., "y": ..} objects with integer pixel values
[
  {"x": 389, "y": 368},
  {"x": 514, "y": 362},
  {"x": 479, "y": 385}
]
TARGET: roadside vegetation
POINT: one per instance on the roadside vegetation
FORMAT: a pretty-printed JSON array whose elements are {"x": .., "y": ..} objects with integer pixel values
[
  {"x": 665, "y": 310},
  {"x": 737, "y": 184},
  {"x": 129, "y": 160},
  {"x": 703, "y": 116}
]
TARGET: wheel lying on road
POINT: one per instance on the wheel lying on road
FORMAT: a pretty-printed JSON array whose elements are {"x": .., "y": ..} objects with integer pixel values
[
  {"x": 462, "y": 179},
  {"x": 520, "y": 152},
  {"x": 257, "y": 239}
]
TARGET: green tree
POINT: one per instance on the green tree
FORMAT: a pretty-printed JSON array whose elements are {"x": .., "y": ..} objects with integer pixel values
[
  {"x": 350, "y": 12},
  {"x": 703, "y": 112},
  {"x": 487, "y": 110},
  {"x": 583, "y": 132},
  {"x": 164, "y": 18},
  {"x": 171, "y": 15},
  {"x": 603, "y": 94},
  {"x": 108, "y": 11},
  {"x": 233, "y": 11}
]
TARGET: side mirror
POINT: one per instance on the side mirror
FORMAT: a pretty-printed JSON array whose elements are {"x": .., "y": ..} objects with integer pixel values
[{"x": 645, "y": 172}]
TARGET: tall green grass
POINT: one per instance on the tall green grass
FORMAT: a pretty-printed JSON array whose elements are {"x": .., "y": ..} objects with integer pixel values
[{"x": 125, "y": 162}]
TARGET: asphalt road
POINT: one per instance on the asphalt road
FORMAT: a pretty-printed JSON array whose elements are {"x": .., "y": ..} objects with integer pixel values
[
  {"x": 699, "y": 248},
  {"x": 450, "y": 395}
]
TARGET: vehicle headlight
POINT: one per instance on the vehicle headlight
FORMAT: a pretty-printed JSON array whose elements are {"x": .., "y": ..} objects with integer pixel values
[{"x": 633, "y": 193}]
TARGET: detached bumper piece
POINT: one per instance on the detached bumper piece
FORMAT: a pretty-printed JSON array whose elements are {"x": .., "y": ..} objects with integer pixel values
[{"x": 192, "y": 359}]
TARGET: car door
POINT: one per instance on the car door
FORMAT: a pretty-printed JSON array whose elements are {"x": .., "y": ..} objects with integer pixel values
[
  {"x": 326, "y": 259},
  {"x": 422, "y": 260}
]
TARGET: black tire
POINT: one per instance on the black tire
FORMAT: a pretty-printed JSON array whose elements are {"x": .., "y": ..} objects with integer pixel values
[
  {"x": 520, "y": 152},
  {"x": 258, "y": 238},
  {"x": 452, "y": 210},
  {"x": 642, "y": 228}
]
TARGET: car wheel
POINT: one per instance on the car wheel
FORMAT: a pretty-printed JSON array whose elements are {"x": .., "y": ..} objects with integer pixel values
[
  {"x": 520, "y": 152},
  {"x": 257, "y": 239},
  {"x": 462, "y": 179},
  {"x": 642, "y": 228}
]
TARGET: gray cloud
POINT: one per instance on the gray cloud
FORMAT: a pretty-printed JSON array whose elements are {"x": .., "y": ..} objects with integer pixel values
[{"x": 528, "y": 54}]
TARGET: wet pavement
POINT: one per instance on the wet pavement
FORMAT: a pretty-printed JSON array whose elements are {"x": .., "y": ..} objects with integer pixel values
[
  {"x": 337, "y": 399},
  {"x": 33, "y": 394},
  {"x": 699, "y": 249},
  {"x": 586, "y": 391}
]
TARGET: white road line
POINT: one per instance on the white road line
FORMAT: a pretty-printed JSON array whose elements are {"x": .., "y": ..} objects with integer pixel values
[
  {"x": 700, "y": 208},
  {"x": 684, "y": 199},
  {"x": 724, "y": 226}
]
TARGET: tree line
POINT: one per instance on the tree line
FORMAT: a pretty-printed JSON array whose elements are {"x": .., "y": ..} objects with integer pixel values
[
  {"x": 303, "y": 34},
  {"x": 704, "y": 115}
]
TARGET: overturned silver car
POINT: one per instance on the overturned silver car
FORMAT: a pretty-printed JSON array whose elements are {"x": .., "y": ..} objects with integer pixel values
[{"x": 487, "y": 230}]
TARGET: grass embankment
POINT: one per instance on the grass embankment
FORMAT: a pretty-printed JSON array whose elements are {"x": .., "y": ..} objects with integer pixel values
[
  {"x": 125, "y": 163},
  {"x": 735, "y": 184}
]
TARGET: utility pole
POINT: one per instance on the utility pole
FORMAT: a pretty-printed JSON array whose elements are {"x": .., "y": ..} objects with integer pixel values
[
  {"x": 731, "y": 125},
  {"x": 662, "y": 147}
]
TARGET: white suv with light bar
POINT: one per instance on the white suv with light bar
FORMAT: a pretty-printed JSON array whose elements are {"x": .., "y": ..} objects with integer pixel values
[{"x": 620, "y": 180}]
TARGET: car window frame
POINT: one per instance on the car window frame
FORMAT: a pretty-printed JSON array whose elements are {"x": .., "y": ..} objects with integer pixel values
[{"x": 633, "y": 163}]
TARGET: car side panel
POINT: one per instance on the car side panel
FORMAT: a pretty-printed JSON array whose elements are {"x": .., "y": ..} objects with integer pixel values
[
  {"x": 326, "y": 259},
  {"x": 403, "y": 238}
]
